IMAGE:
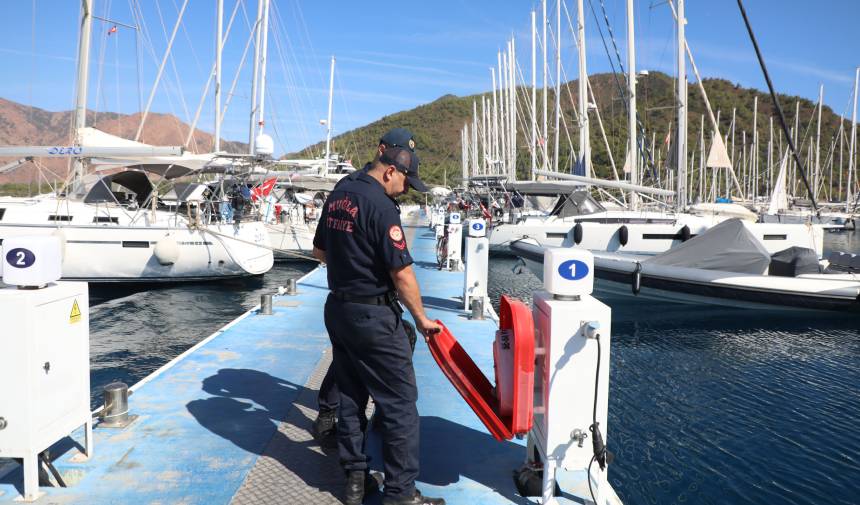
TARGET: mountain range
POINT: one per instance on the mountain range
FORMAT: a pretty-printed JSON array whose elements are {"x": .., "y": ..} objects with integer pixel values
[{"x": 436, "y": 125}]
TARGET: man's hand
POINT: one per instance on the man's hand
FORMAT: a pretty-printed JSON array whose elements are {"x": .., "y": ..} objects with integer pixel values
[{"x": 427, "y": 327}]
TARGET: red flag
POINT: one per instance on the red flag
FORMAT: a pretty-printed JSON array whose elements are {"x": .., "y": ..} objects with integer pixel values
[
  {"x": 112, "y": 30},
  {"x": 263, "y": 190}
]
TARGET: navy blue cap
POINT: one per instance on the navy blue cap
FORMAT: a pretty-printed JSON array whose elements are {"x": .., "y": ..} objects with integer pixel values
[
  {"x": 399, "y": 137},
  {"x": 406, "y": 161}
]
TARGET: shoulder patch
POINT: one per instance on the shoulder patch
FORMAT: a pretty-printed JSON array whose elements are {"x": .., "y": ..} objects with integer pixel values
[{"x": 395, "y": 233}]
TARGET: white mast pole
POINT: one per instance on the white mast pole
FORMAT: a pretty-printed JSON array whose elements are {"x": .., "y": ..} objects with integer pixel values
[
  {"x": 328, "y": 120},
  {"x": 534, "y": 94},
  {"x": 474, "y": 137},
  {"x": 852, "y": 142},
  {"x": 584, "y": 130},
  {"x": 557, "y": 82},
  {"x": 702, "y": 159},
  {"x": 494, "y": 147},
  {"x": 841, "y": 149},
  {"x": 82, "y": 74},
  {"x": 503, "y": 109},
  {"x": 264, "y": 59},
  {"x": 754, "y": 154},
  {"x": 545, "y": 134},
  {"x": 219, "y": 42},
  {"x": 464, "y": 136},
  {"x": 817, "y": 177},
  {"x": 632, "y": 150},
  {"x": 484, "y": 137},
  {"x": 682, "y": 110},
  {"x": 252, "y": 127},
  {"x": 512, "y": 68}
]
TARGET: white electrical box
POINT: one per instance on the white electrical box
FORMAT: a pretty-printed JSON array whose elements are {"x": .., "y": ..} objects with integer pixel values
[
  {"x": 454, "y": 218},
  {"x": 477, "y": 266},
  {"x": 44, "y": 372},
  {"x": 454, "y": 257}
]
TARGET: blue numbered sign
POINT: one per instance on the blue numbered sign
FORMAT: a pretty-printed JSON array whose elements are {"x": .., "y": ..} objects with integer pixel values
[
  {"x": 20, "y": 258},
  {"x": 573, "y": 270}
]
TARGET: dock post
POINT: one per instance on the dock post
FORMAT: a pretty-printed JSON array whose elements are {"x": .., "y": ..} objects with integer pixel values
[
  {"x": 291, "y": 287},
  {"x": 266, "y": 304},
  {"x": 477, "y": 265}
]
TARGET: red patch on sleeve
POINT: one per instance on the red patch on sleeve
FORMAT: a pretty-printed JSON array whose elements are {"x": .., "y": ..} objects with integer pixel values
[{"x": 395, "y": 233}]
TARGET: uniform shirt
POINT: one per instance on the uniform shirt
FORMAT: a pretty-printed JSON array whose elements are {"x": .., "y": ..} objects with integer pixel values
[{"x": 362, "y": 237}]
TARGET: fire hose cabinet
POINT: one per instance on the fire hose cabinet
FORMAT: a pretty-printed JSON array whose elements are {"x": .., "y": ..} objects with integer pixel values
[{"x": 44, "y": 372}]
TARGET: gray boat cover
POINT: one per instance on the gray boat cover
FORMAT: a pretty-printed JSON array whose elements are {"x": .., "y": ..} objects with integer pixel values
[{"x": 727, "y": 247}]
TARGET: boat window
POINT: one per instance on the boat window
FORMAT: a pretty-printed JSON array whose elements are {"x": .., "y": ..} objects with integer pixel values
[
  {"x": 122, "y": 187},
  {"x": 2, "y": 213},
  {"x": 775, "y": 237},
  {"x": 54, "y": 217},
  {"x": 578, "y": 203},
  {"x": 105, "y": 219},
  {"x": 136, "y": 244}
]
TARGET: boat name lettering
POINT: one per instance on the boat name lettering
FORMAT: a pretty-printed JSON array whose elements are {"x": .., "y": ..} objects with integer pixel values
[
  {"x": 20, "y": 258},
  {"x": 61, "y": 150}
]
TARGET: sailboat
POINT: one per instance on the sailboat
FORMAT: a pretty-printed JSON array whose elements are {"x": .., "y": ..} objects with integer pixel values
[{"x": 115, "y": 226}]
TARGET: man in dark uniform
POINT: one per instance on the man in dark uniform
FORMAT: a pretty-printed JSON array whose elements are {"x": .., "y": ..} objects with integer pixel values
[
  {"x": 329, "y": 396},
  {"x": 369, "y": 268}
]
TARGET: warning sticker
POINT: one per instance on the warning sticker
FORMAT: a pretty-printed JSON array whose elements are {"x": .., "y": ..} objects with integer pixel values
[{"x": 75, "y": 315}]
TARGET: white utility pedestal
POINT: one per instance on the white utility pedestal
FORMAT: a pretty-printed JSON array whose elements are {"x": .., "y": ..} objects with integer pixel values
[
  {"x": 454, "y": 232},
  {"x": 477, "y": 262},
  {"x": 45, "y": 358},
  {"x": 570, "y": 327}
]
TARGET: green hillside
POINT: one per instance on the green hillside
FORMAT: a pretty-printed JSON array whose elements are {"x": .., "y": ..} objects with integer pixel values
[{"x": 437, "y": 125}]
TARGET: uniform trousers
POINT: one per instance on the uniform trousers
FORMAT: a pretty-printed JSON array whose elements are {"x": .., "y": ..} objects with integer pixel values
[{"x": 372, "y": 357}]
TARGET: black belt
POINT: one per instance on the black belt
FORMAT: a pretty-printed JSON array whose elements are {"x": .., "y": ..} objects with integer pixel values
[{"x": 389, "y": 298}]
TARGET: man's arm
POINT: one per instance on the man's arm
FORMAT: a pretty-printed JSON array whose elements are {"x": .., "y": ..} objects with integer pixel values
[
  {"x": 407, "y": 287},
  {"x": 319, "y": 254}
]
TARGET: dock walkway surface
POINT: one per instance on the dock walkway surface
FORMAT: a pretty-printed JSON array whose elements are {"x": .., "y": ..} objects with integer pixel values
[{"x": 229, "y": 421}]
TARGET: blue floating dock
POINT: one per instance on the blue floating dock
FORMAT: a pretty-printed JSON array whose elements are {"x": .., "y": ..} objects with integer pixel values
[{"x": 227, "y": 421}]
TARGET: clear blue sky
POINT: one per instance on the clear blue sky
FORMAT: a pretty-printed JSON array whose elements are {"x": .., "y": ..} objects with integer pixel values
[{"x": 397, "y": 55}]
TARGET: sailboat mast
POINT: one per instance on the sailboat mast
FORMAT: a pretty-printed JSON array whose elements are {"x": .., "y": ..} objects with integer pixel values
[
  {"x": 632, "y": 151},
  {"x": 264, "y": 59},
  {"x": 328, "y": 118},
  {"x": 219, "y": 42},
  {"x": 557, "y": 82},
  {"x": 852, "y": 143},
  {"x": 81, "y": 84},
  {"x": 252, "y": 127},
  {"x": 545, "y": 134},
  {"x": 817, "y": 177},
  {"x": 534, "y": 94},
  {"x": 682, "y": 111},
  {"x": 584, "y": 141}
]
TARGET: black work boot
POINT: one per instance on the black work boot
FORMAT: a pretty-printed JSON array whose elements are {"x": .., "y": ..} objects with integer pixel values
[
  {"x": 418, "y": 499},
  {"x": 359, "y": 484}
]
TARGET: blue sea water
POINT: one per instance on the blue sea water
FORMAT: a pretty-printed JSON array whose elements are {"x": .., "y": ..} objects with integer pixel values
[{"x": 708, "y": 405}]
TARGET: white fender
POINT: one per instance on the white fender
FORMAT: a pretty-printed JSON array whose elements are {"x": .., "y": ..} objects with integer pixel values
[{"x": 166, "y": 250}]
